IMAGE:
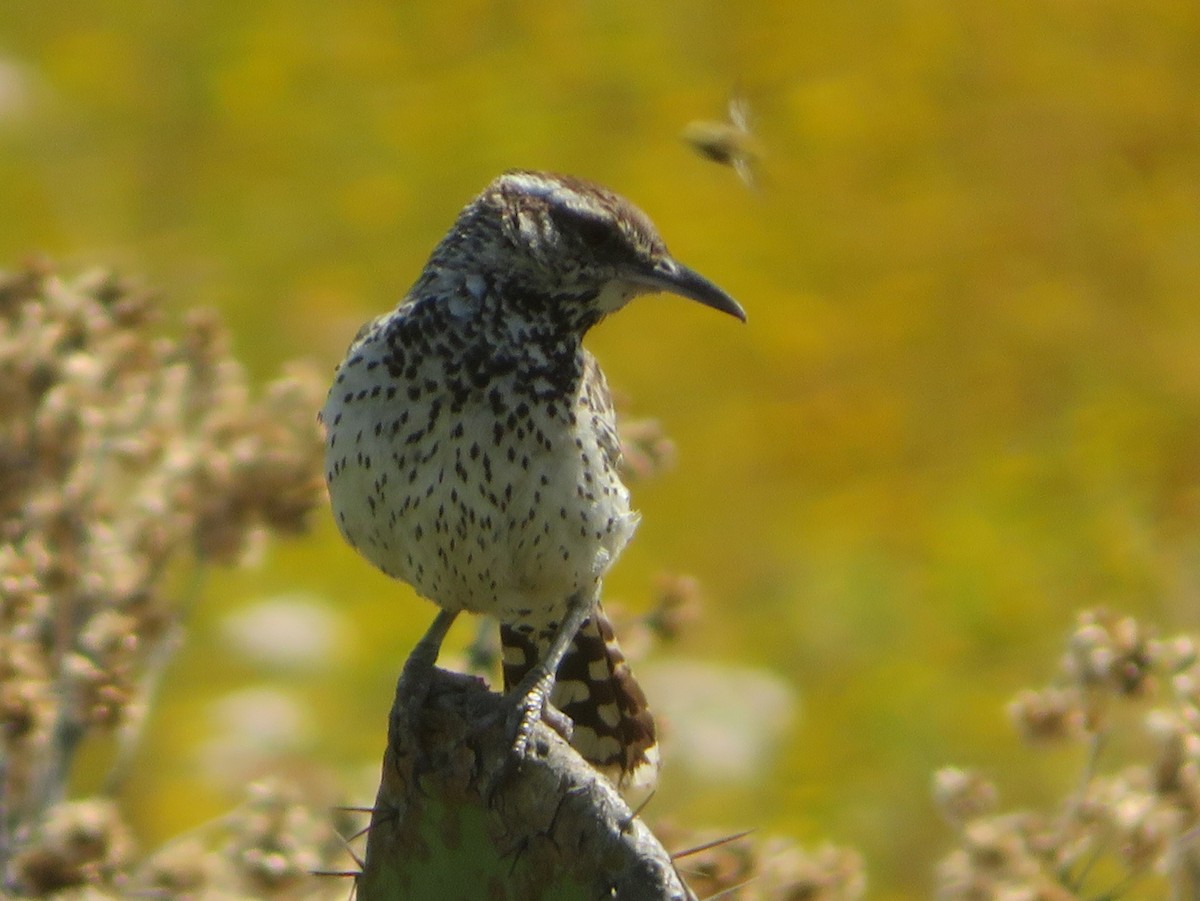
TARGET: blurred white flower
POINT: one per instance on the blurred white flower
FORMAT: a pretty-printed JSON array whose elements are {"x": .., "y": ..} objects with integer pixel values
[
  {"x": 296, "y": 632},
  {"x": 721, "y": 722},
  {"x": 250, "y": 727},
  {"x": 15, "y": 89}
]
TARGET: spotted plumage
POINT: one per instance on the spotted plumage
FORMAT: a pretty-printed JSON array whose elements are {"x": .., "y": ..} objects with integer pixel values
[{"x": 472, "y": 449}]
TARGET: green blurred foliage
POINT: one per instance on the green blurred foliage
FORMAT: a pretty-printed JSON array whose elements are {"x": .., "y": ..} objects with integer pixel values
[{"x": 967, "y": 401}]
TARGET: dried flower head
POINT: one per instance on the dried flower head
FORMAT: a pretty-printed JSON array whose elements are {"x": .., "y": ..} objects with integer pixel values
[
  {"x": 123, "y": 452},
  {"x": 1049, "y": 715},
  {"x": 77, "y": 843},
  {"x": 829, "y": 873},
  {"x": 771, "y": 869},
  {"x": 275, "y": 840},
  {"x": 645, "y": 448},
  {"x": 1109, "y": 652},
  {"x": 1136, "y": 819},
  {"x": 962, "y": 795},
  {"x": 677, "y": 605}
]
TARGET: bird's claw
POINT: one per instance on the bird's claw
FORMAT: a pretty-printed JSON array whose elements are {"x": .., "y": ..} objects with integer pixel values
[
  {"x": 533, "y": 707},
  {"x": 558, "y": 721}
]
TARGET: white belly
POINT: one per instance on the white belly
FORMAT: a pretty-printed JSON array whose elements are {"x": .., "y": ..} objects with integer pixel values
[{"x": 510, "y": 528}]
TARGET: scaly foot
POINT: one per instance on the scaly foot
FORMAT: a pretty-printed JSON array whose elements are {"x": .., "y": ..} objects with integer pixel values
[
  {"x": 531, "y": 699},
  {"x": 415, "y": 680}
]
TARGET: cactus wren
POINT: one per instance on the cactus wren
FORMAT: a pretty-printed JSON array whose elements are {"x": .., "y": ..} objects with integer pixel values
[{"x": 472, "y": 450}]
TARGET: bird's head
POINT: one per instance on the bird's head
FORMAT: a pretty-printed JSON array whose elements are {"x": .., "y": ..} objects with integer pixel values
[{"x": 559, "y": 246}]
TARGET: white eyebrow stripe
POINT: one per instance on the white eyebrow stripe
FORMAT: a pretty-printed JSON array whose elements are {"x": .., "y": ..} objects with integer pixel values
[
  {"x": 550, "y": 188},
  {"x": 531, "y": 184}
]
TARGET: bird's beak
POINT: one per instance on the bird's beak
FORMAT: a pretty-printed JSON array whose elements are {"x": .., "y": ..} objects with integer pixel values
[{"x": 674, "y": 278}]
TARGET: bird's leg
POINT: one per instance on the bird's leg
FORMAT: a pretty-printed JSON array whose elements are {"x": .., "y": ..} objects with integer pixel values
[
  {"x": 417, "y": 675},
  {"x": 532, "y": 693}
]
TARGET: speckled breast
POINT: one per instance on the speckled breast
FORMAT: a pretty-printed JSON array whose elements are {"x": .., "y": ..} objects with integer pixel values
[{"x": 489, "y": 501}]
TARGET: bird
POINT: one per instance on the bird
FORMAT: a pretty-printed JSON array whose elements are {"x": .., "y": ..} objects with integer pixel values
[
  {"x": 472, "y": 450},
  {"x": 730, "y": 142}
]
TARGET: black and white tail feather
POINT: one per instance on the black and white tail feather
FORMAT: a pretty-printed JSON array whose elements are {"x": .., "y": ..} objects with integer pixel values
[{"x": 613, "y": 728}]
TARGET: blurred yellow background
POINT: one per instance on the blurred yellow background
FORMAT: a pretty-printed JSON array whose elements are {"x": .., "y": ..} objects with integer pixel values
[{"x": 966, "y": 404}]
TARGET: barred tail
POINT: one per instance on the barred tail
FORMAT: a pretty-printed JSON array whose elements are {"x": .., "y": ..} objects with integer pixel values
[{"x": 614, "y": 730}]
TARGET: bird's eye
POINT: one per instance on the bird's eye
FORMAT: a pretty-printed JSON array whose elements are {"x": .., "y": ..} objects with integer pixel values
[{"x": 593, "y": 232}]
